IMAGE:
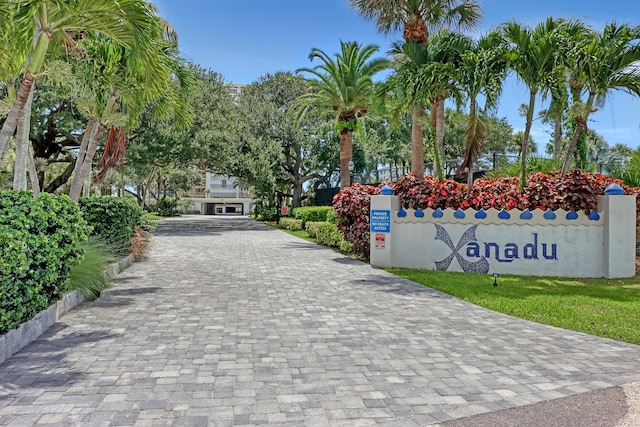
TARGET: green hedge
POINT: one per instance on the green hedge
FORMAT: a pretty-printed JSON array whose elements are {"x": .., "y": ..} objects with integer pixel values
[
  {"x": 39, "y": 243},
  {"x": 312, "y": 228},
  {"x": 328, "y": 234},
  {"x": 291, "y": 224},
  {"x": 113, "y": 219},
  {"x": 312, "y": 213}
]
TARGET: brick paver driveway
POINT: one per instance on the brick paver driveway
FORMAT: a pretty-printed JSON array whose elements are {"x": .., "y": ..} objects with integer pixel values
[{"x": 230, "y": 322}]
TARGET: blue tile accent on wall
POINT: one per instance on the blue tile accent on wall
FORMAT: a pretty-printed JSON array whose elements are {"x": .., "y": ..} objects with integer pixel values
[
  {"x": 572, "y": 215},
  {"x": 481, "y": 214},
  {"x": 402, "y": 213},
  {"x": 549, "y": 214},
  {"x": 594, "y": 216},
  {"x": 526, "y": 214},
  {"x": 459, "y": 213},
  {"x": 419, "y": 213},
  {"x": 438, "y": 213},
  {"x": 504, "y": 214}
]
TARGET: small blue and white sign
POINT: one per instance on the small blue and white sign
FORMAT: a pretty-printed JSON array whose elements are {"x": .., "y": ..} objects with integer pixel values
[{"x": 381, "y": 221}]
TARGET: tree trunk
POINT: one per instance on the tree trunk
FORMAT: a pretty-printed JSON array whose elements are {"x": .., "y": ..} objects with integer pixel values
[
  {"x": 11, "y": 122},
  {"x": 571, "y": 148},
  {"x": 440, "y": 136},
  {"x": 85, "y": 165},
  {"x": 33, "y": 173},
  {"x": 62, "y": 179},
  {"x": 525, "y": 140},
  {"x": 82, "y": 153},
  {"x": 297, "y": 193},
  {"x": 88, "y": 160},
  {"x": 470, "y": 177},
  {"x": 22, "y": 145},
  {"x": 346, "y": 153},
  {"x": 581, "y": 125},
  {"x": 557, "y": 138},
  {"x": 417, "y": 142}
]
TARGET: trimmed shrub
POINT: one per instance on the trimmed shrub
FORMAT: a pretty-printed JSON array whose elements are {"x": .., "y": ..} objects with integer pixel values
[
  {"x": 39, "y": 243},
  {"x": 291, "y": 224},
  {"x": 113, "y": 219},
  {"x": 329, "y": 235},
  {"x": 312, "y": 213},
  {"x": 332, "y": 217},
  {"x": 312, "y": 228}
]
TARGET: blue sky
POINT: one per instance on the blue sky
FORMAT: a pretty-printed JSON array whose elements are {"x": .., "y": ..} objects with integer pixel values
[{"x": 245, "y": 39}]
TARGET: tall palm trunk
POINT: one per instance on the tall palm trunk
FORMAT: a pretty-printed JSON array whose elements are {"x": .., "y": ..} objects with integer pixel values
[
  {"x": 581, "y": 125},
  {"x": 557, "y": 138},
  {"x": 85, "y": 171},
  {"x": 417, "y": 142},
  {"x": 346, "y": 152},
  {"x": 33, "y": 173},
  {"x": 22, "y": 145},
  {"x": 11, "y": 123},
  {"x": 78, "y": 180},
  {"x": 437, "y": 156},
  {"x": 525, "y": 140},
  {"x": 440, "y": 137}
]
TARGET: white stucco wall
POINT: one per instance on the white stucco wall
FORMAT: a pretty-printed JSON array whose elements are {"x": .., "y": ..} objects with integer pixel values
[{"x": 538, "y": 243}]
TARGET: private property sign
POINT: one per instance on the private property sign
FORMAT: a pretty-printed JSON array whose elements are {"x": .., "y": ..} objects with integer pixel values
[{"x": 381, "y": 221}]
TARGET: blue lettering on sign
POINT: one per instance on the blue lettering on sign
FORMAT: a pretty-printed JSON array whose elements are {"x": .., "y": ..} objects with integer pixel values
[
  {"x": 381, "y": 221},
  {"x": 489, "y": 250}
]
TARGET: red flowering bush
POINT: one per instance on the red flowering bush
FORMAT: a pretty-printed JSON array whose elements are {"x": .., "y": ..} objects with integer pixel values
[
  {"x": 498, "y": 193},
  {"x": 352, "y": 206},
  {"x": 429, "y": 193}
]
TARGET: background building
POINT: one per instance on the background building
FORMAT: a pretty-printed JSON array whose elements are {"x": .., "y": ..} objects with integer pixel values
[{"x": 221, "y": 195}]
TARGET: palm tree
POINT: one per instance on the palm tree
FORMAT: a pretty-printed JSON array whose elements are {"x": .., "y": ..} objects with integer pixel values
[
  {"x": 605, "y": 61},
  {"x": 38, "y": 23},
  {"x": 416, "y": 18},
  {"x": 439, "y": 78},
  {"x": 402, "y": 84},
  {"x": 342, "y": 86},
  {"x": 118, "y": 93},
  {"x": 483, "y": 70},
  {"x": 537, "y": 57},
  {"x": 426, "y": 72}
]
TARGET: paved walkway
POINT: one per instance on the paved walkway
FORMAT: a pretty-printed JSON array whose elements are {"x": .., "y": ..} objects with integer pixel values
[{"x": 233, "y": 323}]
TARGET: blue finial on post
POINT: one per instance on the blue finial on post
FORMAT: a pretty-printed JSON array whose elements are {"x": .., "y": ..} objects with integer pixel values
[
  {"x": 387, "y": 190},
  {"x": 614, "y": 190}
]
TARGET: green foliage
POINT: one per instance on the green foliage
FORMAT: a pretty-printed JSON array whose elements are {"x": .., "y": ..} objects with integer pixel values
[
  {"x": 167, "y": 206},
  {"x": 329, "y": 235},
  {"x": 342, "y": 125},
  {"x": 631, "y": 173},
  {"x": 265, "y": 213},
  {"x": 313, "y": 227},
  {"x": 39, "y": 243},
  {"x": 113, "y": 219},
  {"x": 312, "y": 213},
  {"x": 332, "y": 217},
  {"x": 87, "y": 277},
  {"x": 291, "y": 224}
]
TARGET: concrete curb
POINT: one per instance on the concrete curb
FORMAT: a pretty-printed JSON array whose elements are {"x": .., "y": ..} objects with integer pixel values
[{"x": 15, "y": 340}]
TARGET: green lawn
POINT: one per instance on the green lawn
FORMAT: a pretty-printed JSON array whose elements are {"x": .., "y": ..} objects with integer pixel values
[{"x": 602, "y": 307}]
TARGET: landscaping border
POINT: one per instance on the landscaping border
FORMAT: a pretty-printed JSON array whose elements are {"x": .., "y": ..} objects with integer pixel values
[{"x": 15, "y": 340}]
